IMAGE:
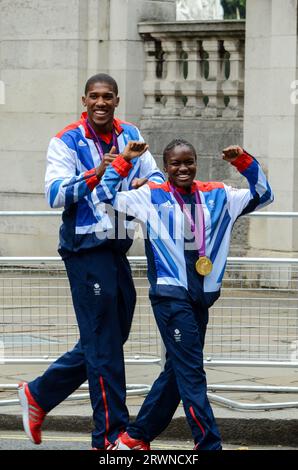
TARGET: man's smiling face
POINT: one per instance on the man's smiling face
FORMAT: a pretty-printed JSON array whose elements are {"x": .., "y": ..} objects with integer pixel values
[{"x": 101, "y": 101}]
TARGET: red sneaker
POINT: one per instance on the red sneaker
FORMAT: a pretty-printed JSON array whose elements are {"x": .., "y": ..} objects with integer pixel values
[
  {"x": 125, "y": 442},
  {"x": 33, "y": 414}
]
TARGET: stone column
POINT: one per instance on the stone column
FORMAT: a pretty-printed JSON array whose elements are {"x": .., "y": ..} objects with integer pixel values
[
  {"x": 212, "y": 86},
  {"x": 192, "y": 86},
  {"x": 48, "y": 50},
  {"x": 126, "y": 56},
  {"x": 41, "y": 58},
  {"x": 234, "y": 85},
  {"x": 271, "y": 114},
  {"x": 150, "y": 82},
  {"x": 170, "y": 86}
]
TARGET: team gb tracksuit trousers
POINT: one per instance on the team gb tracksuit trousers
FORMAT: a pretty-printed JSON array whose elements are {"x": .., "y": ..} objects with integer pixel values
[
  {"x": 182, "y": 325},
  {"x": 104, "y": 299}
]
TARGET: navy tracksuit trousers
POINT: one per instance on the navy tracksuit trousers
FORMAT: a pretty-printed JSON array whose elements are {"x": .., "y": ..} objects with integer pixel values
[
  {"x": 104, "y": 299},
  {"x": 182, "y": 325}
]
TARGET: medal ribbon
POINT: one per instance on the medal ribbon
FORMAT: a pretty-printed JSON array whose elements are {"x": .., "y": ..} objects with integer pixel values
[
  {"x": 201, "y": 247},
  {"x": 99, "y": 149},
  {"x": 97, "y": 141}
]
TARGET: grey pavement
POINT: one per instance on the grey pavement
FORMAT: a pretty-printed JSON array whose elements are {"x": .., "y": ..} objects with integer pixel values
[
  {"x": 247, "y": 328},
  {"x": 16, "y": 440},
  {"x": 242, "y": 428}
]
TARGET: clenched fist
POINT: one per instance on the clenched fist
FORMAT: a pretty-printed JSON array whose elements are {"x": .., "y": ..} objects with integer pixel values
[
  {"x": 232, "y": 152},
  {"x": 106, "y": 160}
]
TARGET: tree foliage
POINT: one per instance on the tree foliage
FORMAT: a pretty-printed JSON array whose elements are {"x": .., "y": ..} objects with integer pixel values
[{"x": 233, "y": 9}]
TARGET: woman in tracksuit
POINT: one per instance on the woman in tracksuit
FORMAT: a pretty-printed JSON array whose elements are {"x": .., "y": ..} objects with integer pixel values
[{"x": 188, "y": 225}]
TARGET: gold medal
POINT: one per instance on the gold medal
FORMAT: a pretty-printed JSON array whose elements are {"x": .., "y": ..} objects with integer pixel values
[{"x": 204, "y": 266}]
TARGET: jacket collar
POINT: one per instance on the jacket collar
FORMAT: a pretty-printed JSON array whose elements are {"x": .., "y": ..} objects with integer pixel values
[
  {"x": 194, "y": 188},
  {"x": 105, "y": 137}
]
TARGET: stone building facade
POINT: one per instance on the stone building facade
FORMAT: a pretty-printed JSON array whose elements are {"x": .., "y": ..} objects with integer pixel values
[{"x": 213, "y": 83}]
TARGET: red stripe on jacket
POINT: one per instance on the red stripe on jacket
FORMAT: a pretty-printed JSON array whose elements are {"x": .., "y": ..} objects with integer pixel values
[
  {"x": 83, "y": 122},
  {"x": 196, "y": 185},
  {"x": 121, "y": 166},
  {"x": 72, "y": 126},
  {"x": 91, "y": 182},
  {"x": 242, "y": 162}
]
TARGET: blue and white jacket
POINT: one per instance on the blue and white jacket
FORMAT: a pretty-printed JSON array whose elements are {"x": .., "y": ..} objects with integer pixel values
[
  {"x": 72, "y": 155},
  {"x": 171, "y": 266}
]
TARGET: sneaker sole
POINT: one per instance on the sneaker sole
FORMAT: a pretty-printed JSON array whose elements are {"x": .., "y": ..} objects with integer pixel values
[
  {"x": 25, "y": 412},
  {"x": 121, "y": 446}
]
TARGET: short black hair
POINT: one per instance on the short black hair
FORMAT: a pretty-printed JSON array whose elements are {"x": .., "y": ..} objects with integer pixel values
[
  {"x": 102, "y": 78},
  {"x": 177, "y": 143}
]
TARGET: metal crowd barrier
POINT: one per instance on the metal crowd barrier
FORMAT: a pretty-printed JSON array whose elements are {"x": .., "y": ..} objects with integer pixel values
[
  {"x": 37, "y": 318},
  {"x": 38, "y": 324},
  {"x": 253, "y": 324}
]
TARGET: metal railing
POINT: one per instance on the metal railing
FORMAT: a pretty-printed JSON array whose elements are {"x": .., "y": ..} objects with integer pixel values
[
  {"x": 37, "y": 321},
  {"x": 37, "y": 318},
  {"x": 254, "y": 323}
]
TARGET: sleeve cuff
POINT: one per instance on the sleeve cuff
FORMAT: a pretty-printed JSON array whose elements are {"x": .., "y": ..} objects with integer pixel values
[
  {"x": 121, "y": 166},
  {"x": 243, "y": 162},
  {"x": 91, "y": 182}
]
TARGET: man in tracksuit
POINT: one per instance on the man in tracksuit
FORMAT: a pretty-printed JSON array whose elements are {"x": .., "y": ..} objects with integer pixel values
[
  {"x": 99, "y": 274},
  {"x": 188, "y": 226}
]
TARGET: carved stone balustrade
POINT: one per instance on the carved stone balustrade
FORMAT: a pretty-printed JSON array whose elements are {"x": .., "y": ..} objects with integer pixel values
[{"x": 194, "y": 69}]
